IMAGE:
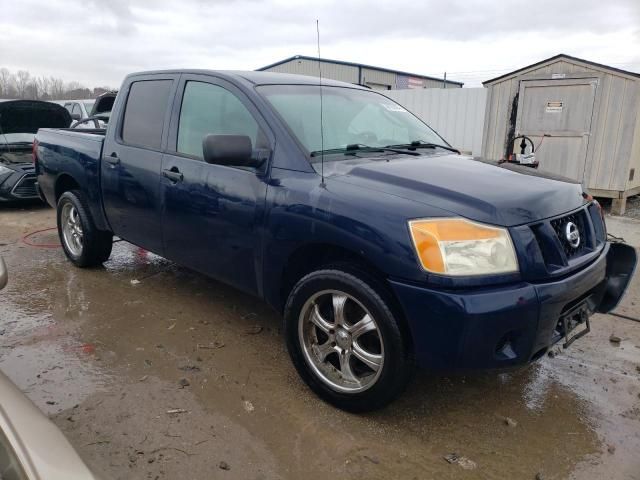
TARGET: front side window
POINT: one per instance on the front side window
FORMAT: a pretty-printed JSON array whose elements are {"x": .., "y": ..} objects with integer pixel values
[
  {"x": 350, "y": 117},
  {"x": 144, "y": 113},
  {"x": 211, "y": 109}
]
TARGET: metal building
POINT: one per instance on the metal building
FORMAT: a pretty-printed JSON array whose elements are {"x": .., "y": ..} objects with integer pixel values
[
  {"x": 583, "y": 117},
  {"x": 455, "y": 113},
  {"x": 373, "y": 77}
]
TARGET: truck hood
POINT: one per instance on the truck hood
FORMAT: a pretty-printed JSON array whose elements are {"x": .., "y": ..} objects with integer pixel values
[
  {"x": 27, "y": 116},
  {"x": 479, "y": 190},
  {"x": 103, "y": 104}
]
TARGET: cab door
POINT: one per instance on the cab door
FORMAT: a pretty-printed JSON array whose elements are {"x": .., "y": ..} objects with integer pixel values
[
  {"x": 213, "y": 214},
  {"x": 132, "y": 160}
]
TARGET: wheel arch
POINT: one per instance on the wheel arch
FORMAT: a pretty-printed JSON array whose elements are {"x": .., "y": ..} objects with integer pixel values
[
  {"x": 317, "y": 256},
  {"x": 67, "y": 182},
  {"x": 64, "y": 183}
]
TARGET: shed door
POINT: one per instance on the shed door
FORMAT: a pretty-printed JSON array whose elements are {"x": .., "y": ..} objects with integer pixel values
[{"x": 563, "y": 110}]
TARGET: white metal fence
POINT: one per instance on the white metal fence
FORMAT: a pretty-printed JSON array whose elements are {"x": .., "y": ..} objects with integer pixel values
[{"x": 455, "y": 113}]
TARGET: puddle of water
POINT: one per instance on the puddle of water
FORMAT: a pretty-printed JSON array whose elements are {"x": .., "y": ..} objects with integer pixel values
[
  {"x": 154, "y": 327},
  {"x": 54, "y": 379},
  {"x": 41, "y": 314}
]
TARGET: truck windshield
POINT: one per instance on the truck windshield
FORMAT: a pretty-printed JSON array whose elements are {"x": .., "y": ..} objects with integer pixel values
[{"x": 351, "y": 118}]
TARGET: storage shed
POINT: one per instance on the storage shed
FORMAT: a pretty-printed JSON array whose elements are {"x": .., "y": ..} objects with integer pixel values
[{"x": 583, "y": 118}]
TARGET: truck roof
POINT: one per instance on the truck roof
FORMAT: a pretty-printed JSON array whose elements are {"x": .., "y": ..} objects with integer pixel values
[{"x": 256, "y": 78}]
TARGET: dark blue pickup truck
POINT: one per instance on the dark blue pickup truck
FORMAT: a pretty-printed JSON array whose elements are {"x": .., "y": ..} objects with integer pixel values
[{"x": 381, "y": 245}]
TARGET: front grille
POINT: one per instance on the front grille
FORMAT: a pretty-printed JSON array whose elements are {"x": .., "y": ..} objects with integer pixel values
[
  {"x": 555, "y": 249},
  {"x": 26, "y": 187},
  {"x": 559, "y": 227}
]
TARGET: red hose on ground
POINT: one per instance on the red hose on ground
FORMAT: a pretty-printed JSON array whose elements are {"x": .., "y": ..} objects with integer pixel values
[{"x": 27, "y": 239}]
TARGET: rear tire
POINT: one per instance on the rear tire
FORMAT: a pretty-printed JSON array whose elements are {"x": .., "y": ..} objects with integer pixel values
[
  {"x": 82, "y": 242},
  {"x": 345, "y": 341}
]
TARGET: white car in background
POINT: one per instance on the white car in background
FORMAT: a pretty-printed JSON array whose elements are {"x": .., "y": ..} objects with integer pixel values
[
  {"x": 95, "y": 112},
  {"x": 79, "y": 109}
]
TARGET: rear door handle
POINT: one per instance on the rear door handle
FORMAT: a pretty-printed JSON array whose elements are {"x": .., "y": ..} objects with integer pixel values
[
  {"x": 172, "y": 174},
  {"x": 113, "y": 159}
]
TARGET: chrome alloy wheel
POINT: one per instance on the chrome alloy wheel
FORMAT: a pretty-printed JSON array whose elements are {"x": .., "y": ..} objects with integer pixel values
[
  {"x": 341, "y": 341},
  {"x": 71, "y": 229}
]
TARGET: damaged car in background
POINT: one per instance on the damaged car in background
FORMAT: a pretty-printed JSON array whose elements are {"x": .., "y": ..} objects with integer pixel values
[
  {"x": 100, "y": 112},
  {"x": 19, "y": 122}
]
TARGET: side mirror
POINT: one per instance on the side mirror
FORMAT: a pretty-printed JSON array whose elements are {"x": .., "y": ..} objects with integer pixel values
[
  {"x": 230, "y": 150},
  {"x": 75, "y": 116},
  {"x": 4, "y": 276}
]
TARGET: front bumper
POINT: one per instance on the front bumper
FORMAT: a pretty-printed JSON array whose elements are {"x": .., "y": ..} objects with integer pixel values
[
  {"x": 506, "y": 326},
  {"x": 19, "y": 186}
]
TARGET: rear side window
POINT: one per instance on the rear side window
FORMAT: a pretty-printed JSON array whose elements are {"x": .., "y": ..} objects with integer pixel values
[
  {"x": 144, "y": 113},
  {"x": 208, "y": 108}
]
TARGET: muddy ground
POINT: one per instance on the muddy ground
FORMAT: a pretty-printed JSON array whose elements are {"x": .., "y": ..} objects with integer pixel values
[{"x": 155, "y": 372}]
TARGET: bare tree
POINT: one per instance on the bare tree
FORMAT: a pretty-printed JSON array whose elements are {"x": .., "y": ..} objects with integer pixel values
[
  {"x": 22, "y": 82},
  {"x": 32, "y": 90},
  {"x": 22, "y": 85},
  {"x": 44, "y": 87},
  {"x": 56, "y": 90},
  {"x": 7, "y": 89}
]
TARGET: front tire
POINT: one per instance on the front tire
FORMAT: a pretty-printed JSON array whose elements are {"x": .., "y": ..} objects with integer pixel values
[
  {"x": 345, "y": 341},
  {"x": 82, "y": 242}
]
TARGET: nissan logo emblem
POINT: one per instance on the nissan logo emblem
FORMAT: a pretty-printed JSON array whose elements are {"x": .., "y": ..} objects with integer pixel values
[{"x": 572, "y": 234}]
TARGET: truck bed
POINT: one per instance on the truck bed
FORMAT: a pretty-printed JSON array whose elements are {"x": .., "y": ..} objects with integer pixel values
[{"x": 67, "y": 153}]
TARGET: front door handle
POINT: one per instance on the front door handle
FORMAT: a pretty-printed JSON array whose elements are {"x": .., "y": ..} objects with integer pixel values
[
  {"x": 113, "y": 159},
  {"x": 172, "y": 174}
]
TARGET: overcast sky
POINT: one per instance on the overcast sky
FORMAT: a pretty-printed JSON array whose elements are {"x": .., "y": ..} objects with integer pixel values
[{"x": 97, "y": 42}]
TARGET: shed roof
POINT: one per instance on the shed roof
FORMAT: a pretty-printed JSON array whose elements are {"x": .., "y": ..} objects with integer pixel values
[
  {"x": 562, "y": 56},
  {"x": 360, "y": 65}
]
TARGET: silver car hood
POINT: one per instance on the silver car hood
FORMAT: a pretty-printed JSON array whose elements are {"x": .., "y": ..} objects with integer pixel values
[{"x": 42, "y": 450}]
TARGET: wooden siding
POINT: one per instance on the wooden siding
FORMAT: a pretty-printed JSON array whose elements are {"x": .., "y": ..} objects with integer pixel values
[
  {"x": 635, "y": 157},
  {"x": 614, "y": 142}
]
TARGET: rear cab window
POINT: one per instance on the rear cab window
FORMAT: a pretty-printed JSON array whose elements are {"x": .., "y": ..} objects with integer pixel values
[{"x": 144, "y": 113}]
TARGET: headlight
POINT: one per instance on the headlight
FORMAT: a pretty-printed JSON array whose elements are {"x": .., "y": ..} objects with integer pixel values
[
  {"x": 4, "y": 170},
  {"x": 458, "y": 247}
]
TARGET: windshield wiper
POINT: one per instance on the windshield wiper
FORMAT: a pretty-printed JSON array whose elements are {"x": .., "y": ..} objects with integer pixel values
[
  {"x": 422, "y": 144},
  {"x": 359, "y": 147}
]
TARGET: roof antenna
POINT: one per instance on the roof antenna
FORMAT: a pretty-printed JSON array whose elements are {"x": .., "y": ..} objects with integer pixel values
[{"x": 321, "y": 128}]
